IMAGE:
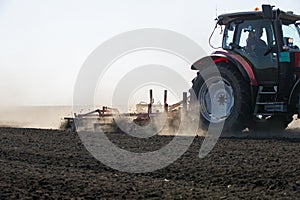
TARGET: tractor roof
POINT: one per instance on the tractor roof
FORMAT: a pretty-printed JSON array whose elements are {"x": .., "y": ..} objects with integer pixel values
[{"x": 286, "y": 17}]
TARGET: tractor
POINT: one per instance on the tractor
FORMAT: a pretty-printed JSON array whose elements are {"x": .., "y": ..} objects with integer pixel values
[{"x": 259, "y": 70}]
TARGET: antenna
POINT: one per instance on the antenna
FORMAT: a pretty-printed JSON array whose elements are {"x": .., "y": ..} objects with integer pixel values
[{"x": 216, "y": 11}]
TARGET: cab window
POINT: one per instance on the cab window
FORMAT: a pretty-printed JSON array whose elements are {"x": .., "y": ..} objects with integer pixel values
[
  {"x": 260, "y": 30},
  {"x": 242, "y": 34},
  {"x": 291, "y": 35},
  {"x": 229, "y": 36}
]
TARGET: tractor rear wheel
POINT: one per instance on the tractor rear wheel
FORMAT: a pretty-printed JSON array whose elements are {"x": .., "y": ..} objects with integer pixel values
[{"x": 224, "y": 98}]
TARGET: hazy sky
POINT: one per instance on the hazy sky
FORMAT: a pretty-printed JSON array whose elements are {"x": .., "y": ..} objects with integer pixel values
[{"x": 44, "y": 43}]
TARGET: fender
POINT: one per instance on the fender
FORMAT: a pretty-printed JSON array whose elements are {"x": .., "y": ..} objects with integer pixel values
[{"x": 229, "y": 57}]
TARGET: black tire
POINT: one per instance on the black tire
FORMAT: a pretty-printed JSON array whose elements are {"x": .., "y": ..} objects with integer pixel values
[
  {"x": 239, "y": 112},
  {"x": 271, "y": 124}
]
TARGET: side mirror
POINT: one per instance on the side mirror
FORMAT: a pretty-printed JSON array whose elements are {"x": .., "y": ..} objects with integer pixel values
[{"x": 267, "y": 11}]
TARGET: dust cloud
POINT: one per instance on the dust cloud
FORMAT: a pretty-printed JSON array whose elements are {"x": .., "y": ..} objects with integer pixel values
[
  {"x": 46, "y": 117},
  {"x": 52, "y": 117}
]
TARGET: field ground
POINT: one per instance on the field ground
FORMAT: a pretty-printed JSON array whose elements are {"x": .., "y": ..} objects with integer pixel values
[{"x": 37, "y": 163}]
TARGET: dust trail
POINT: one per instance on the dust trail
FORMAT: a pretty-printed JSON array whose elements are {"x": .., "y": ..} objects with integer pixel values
[
  {"x": 48, "y": 117},
  {"x": 292, "y": 132}
]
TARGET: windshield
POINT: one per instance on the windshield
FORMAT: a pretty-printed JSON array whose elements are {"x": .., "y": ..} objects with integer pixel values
[
  {"x": 248, "y": 33},
  {"x": 291, "y": 31}
]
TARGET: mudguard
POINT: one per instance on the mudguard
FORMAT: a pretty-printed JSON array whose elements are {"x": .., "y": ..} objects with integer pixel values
[{"x": 229, "y": 57}]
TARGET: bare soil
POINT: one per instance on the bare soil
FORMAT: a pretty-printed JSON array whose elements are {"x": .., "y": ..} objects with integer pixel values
[{"x": 47, "y": 164}]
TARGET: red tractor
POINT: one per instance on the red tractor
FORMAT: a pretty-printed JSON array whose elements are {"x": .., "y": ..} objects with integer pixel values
[{"x": 258, "y": 68}]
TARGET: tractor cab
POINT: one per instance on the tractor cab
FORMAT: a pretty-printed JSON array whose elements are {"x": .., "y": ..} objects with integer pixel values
[
  {"x": 259, "y": 68},
  {"x": 267, "y": 40}
]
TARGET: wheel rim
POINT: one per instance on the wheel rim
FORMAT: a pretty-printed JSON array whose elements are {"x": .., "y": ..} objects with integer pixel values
[{"x": 216, "y": 99}]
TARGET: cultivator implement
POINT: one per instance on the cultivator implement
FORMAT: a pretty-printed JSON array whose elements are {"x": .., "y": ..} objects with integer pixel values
[{"x": 105, "y": 118}]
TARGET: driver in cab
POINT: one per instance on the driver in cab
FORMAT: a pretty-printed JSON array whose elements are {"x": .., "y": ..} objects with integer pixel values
[{"x": 255, "y": 45}]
